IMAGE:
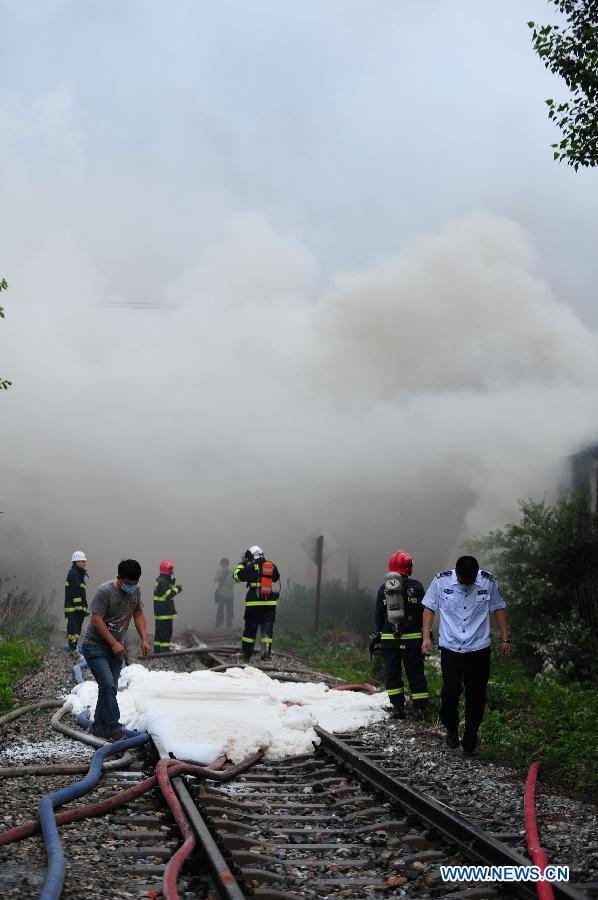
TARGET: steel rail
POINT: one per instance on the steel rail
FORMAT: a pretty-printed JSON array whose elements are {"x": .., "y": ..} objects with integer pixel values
[
  {"x": 225, "y": 883},
  {"x": 472, "y": 841}
]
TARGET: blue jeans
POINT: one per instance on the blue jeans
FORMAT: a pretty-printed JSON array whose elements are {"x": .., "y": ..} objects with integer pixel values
[{"x": 105, "y": 667}]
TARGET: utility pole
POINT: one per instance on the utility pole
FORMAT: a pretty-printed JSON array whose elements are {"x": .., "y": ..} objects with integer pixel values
[
  {"x": 319, "y": 561},
  {"x": 314, "y": 547}
]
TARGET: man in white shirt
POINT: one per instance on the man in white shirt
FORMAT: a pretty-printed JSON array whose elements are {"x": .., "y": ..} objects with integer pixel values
[{"x": 464, "y": 597}]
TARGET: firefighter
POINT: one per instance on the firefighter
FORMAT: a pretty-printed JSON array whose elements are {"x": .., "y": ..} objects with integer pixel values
[
  {"x": 401, "y": 641},
  {"x": 75, "y": 600},
  {"x": 224, "y": 596},
  {"x": 165, "y": 590},
  {"x": 260, "y": 600}
]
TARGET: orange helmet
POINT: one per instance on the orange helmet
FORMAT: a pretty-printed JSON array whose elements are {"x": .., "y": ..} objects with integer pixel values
[
  {"x": 400, "y": 562},
  {"x": 166, "y": 567}
]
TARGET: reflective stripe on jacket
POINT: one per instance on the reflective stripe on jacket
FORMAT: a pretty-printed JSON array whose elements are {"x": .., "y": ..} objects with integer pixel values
[
  {"x": 164, "y": 593},
  {"x": 75, "y": 597}
]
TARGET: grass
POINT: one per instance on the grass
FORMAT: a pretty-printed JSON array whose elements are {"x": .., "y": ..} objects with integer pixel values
[
  {"x": 525, "y": 717},
  {"x": 17, "y": 659},
  {"x": 544, "y": 717},
  {"x": 335, "y": 653}
]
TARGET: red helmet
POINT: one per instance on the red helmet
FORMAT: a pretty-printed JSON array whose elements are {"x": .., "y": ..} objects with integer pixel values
[
  {"x": 166, "y": 567},
  {"x": 400, "y": 562}
]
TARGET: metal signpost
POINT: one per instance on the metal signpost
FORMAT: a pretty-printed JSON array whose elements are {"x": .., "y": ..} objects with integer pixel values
[{"x": 319, "y": 546}]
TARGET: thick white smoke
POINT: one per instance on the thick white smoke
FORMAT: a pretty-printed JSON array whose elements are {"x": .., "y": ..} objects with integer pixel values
[{"x": 407, "y": 405}]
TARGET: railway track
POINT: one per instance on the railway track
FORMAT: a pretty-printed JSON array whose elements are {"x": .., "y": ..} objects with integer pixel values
[{"x": 337, "y": 824}]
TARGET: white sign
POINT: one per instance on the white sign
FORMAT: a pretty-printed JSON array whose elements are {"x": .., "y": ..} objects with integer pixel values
[{"x": 310, "y": 545}]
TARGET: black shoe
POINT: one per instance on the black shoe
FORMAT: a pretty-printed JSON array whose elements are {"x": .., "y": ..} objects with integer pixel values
[
  {"x": 421, "y": 713},
  {"x": 469, "y": 743},
  {"x": 398, "y": 712},
  {"x": 452, "y": 739}
]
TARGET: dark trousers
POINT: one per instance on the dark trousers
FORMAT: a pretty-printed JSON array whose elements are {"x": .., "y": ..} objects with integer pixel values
[
  {"x": 74, "y": 622},
  {"x": 224, "y": 606},
  {"x": 163, "y": 635},
  {"x": 261, "y": 617},
  {"x": 410, "y": 655},
  {"x": 471, "y": 671},
  {"x": 105, "y": 667}
]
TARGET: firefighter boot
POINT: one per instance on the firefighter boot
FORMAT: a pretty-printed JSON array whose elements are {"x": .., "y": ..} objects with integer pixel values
[
  {"x": 267, "y": 652},
  {"x": 247, "y": 653}
]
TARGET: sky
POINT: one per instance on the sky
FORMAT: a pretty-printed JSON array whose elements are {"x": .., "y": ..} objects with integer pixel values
[{"x": 283, "y": 267}]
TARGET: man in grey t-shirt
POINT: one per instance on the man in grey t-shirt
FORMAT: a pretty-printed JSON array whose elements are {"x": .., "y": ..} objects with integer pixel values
[{"x": 114, "y": 605}]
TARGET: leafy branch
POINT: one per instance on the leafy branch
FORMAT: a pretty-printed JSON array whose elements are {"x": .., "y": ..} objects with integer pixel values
[
  {"x": 4, "y": 382},
  {"x": 571, "y": 51}
]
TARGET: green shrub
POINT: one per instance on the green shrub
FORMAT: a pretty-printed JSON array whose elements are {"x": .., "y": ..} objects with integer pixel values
[
  {"x": 543, "y": 716},
  {"x": 547, "y": 564},
  {"x": 339, "y": 608},
  {"x": 17, "y": 659}
]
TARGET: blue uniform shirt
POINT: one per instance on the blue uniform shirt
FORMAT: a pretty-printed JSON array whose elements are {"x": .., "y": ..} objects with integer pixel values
[{"x": 464, "y": 610}]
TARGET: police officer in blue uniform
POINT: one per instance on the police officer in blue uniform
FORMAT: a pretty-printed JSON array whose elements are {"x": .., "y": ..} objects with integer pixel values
[{"x": 464, "y": 598}]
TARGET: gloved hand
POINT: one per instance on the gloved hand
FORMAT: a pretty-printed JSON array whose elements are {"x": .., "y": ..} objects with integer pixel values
[
  {"x": 374, "y": 642},
  {"x": 179, "y": 588}
]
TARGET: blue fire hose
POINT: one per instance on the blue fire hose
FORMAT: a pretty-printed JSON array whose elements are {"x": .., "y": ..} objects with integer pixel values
[
  {"x": 77, "y": 670},
  {"x": 55, "y": 874}
]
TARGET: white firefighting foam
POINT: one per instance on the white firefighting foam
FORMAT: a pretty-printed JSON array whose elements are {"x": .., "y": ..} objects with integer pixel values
[{"x": 201, "y": 715}]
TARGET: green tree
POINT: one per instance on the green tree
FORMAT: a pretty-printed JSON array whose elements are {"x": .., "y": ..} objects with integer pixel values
[
  {"x": 571, "y": 51},
  {"x": 4, "y": 382},
  {"x": 545, "y": 563}
]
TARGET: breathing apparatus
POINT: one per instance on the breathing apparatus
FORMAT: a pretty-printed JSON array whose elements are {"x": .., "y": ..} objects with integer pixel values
[{"x": 394, "y": 591}]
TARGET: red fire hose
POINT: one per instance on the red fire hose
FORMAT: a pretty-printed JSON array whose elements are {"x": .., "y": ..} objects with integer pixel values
[
  {"x": 176, "y": 861},
  {"x": 539, "y": 857},
  {"x": 95, "y": 809},
  {"x": 164, "y": 773},
  {"x": 166, "y": 769}
]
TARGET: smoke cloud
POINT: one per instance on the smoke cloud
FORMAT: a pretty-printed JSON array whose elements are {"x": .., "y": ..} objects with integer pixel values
[{"x": 409, "y": 405}]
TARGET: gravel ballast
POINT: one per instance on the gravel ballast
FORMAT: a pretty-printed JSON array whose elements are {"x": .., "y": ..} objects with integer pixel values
[{"x": 489, "y": 795}]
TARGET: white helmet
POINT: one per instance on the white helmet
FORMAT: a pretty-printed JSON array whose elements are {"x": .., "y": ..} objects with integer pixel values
[
  {"x": 256, "y": 551},
  {"x": 78, "y": 556}
]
